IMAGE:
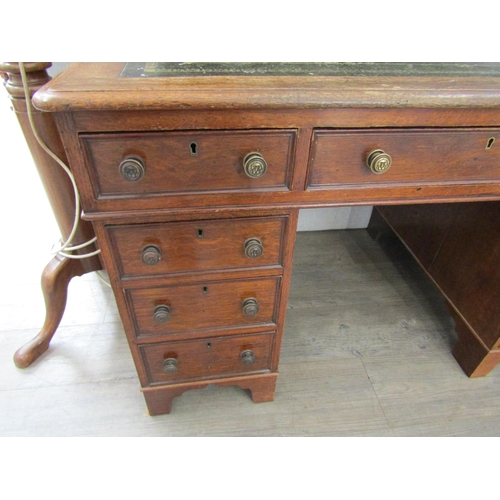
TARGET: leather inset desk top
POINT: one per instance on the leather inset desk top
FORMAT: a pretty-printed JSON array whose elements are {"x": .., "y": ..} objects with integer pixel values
[{"x": 183, "y": 69}]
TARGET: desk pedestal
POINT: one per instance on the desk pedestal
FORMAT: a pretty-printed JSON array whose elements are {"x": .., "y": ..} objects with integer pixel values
[{"x": 458, "y": 245}]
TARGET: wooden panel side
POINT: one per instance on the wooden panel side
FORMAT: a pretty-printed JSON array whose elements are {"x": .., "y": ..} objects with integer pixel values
[
  {"x": 423, "y": 228},
  {"x": 467, "y": 268}
]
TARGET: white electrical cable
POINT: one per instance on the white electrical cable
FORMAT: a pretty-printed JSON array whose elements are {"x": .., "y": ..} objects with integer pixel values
[{"x": 67, "y": 244}]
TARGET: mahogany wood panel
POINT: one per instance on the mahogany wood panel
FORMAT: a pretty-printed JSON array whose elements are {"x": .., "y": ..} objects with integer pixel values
[
  {"x": 204, "y": 305},
  {"x": 207, "y": 358},
  {"x": 289, "y": 246},
  {"x": 421, "y": 227},
  {"x": 211, "y": 119},
  {"x": 333, "y": 195},
  {"x": 467, "y": 268},
  {"x": 172, "y": 167},
  {"x": 418, "y": 156},
  {"x": 475, "y": 359},
  {"x": 197, "y": 246},
  {"x": 462, "y": 255},
  {"x": 315, "y": 133}
]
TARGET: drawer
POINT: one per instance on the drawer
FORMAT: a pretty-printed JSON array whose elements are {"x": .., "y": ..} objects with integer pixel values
[
  {"x": 200, "y": 306},
  {"x": 184, "y": 162},
  {"x": 207, "y": 358},
  {"x": 418, "y": 156},
  {"x": 179, "y": 247}
]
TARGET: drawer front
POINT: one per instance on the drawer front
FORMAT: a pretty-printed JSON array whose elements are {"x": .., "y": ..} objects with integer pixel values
[
  {"x": 179, "y": 247},
  {"x": 207, "y": 358},
  {"x": 183, "y": 162},
  {"x": 210, "y": 305},
  {"x": 418, "y": 156}
]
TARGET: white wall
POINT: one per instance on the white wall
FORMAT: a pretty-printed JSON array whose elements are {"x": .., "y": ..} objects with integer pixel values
[{"x": 321, "y": 219}]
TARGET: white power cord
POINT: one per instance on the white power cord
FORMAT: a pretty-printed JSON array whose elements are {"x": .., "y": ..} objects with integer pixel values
[{"x": 67, "y": 244}]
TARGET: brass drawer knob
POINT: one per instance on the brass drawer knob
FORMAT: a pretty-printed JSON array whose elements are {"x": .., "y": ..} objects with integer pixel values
[
  {"x": 151, "y": 255},
  {"x": 132, "y": 168},
  {"x": 253, "y": 248},
  {"x": 247, "y": 357},
  {"x": 378, "y": 161},
  {"x": 161, "y": 314},
  {"x": 254, "y": 165},
  {"x": 250, "y": 306},
  {"x": 170, "y": 365}
]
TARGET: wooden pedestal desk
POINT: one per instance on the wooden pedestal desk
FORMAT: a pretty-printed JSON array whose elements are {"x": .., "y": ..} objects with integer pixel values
[{"x": 193, "y": 174}]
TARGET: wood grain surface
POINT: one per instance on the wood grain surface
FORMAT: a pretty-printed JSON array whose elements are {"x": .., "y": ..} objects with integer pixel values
[
  {"x": 81, "y": 86},
  {"x": 171, "y": 166},
  {"x": 205, "y": 305},
  {"x": 212, "y": 357},
  {"x": 418, "y": 156},
  {"x": 197, "y": 246}
]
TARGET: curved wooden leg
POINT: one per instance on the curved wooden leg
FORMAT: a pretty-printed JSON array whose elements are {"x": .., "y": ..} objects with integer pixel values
[{"x": 55, "y": 280}]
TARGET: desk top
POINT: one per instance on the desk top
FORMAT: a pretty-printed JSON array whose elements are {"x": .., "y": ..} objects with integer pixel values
[{"x": 125, "y": 86}]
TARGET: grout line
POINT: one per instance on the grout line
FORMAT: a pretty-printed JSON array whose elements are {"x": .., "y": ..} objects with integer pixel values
[
  {"x": 72, "y": 383},
  {"x": 376, "y": 396}
]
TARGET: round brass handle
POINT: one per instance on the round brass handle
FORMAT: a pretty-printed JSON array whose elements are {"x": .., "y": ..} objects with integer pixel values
[
  {"x": 253, "y": 248},
  {"x": 254, "y": 165},
  {"x": 132, "y": 168},
  {"x": 378, "y": 161},
  {"x": 170, "y": 365},
  {"x": 250, "y": 306},
  {"x": 151, "y": 255},
  {"x": 161, "y": 313},
  {"x": 247, "y": 357}
]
